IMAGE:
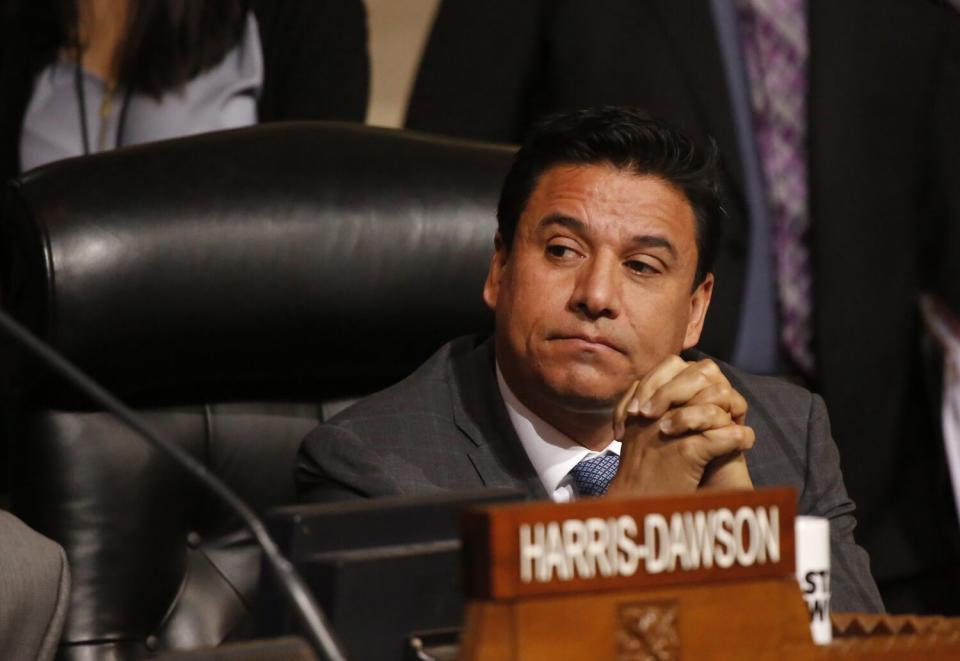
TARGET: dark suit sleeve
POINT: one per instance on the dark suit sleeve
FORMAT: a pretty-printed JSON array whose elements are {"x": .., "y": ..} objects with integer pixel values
[
  {"x": 478, "y": 70},
  {"x": 946, "y": 142},
  {"x": 852, "y": 586},
  {"x": 333, "y": 464},
  {"x": 340, "y": 461},
  {"x": 316, "y": 64}
]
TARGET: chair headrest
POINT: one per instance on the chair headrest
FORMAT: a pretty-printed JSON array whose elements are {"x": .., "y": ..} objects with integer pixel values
[{"x": 303, "y": 253}]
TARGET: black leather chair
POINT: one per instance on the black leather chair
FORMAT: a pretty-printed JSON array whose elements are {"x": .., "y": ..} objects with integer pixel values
[{"x": 236, "y": 288}]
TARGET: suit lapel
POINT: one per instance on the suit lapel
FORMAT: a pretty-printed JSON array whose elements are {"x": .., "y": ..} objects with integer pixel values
[{"x": 479, "y": 412}]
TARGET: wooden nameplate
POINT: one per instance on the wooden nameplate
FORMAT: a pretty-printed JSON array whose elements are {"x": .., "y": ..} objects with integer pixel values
[
  {"x": 655, "y": 578},
  {"x": 705, "y": 576},
  {"x": 600, "y": 544}
]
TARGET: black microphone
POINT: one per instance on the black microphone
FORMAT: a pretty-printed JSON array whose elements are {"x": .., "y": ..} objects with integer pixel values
[{"x": 311, "y": 616}]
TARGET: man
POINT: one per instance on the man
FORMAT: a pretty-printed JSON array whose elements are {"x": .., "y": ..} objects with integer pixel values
[
  {"x": 601, "y": 277},
  {"x": 840, "y": 153}
]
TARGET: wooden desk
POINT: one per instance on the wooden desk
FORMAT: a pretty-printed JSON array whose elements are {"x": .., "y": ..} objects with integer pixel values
[{"x": 706, "y": 576}]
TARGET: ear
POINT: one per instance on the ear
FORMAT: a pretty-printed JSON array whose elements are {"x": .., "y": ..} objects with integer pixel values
[
  {"x": 491, "y": 288},
  {"x": 699, "y": 302}
]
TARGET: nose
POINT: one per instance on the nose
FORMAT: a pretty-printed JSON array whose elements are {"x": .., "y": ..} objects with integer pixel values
[{"x": 596, "y": 292}]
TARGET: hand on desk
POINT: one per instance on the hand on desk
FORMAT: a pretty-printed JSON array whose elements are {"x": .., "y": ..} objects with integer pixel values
[{"x": 682, "y": 427}]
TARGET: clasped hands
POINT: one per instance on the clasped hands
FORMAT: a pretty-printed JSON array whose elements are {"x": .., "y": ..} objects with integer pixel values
[{"x": 682, "y": 428}]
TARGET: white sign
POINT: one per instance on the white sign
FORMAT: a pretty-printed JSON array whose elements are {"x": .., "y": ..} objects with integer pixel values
[{"x": 813, "y": 573}]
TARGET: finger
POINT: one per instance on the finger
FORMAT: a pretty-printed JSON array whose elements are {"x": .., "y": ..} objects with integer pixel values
[
  {"x": 700, "y": 449},
  {"x": 712, "y": 370},
  {"x": 726, "y": 397},
  {"x": 727, "y": 472},
  {"x": 683, "y": 387},
  {"x": 732, "y": 438},
  {"x": 694, "y": 418},
  {"x": 620, "y": 412},
  {"x": 654, "y": 380}
]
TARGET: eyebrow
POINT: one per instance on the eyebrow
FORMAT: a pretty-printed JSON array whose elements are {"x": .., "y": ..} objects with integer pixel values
[
  {"x": 654, "y": 241},
  {"x": 640, "y": 240},
  {"x": 569, "y": 222}
]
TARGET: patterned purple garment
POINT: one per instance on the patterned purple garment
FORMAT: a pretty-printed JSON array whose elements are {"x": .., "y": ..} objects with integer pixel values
[
  {"x": 591, "y": 477},
  {"x": 774, "y": 38}
]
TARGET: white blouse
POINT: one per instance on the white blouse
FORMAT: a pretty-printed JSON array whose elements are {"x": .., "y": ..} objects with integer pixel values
[{"x": 222, "y": 97}]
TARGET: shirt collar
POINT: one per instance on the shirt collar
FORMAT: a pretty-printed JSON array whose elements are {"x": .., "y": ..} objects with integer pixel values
[{"x": 551, "y": 452}]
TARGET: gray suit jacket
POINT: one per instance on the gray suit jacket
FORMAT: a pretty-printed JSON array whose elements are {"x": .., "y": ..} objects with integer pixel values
[
  {"x": 34, "y": 592},
  {"x": 445, "y": 427}
]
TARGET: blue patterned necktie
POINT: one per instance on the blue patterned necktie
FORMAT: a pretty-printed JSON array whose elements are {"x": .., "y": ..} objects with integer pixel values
[{"x": 591, "y": 477}]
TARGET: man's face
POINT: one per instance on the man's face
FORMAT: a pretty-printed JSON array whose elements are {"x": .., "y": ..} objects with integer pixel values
[{"x": 597, "y": 288}]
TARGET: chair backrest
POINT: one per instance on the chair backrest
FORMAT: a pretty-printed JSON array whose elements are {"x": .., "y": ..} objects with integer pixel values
[{"x": 235, "y": 288}]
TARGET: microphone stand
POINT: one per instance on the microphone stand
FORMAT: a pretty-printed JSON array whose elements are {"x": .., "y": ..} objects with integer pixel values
[{"x": 311, "y": 617}]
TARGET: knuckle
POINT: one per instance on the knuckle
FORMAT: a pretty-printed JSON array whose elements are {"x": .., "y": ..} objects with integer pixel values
[
  {"x": 720, "y": 414},
  {"x": 676, "y": 362},
  {"x": 703, "y": 380},
  {"x": 709, "y": 367}
]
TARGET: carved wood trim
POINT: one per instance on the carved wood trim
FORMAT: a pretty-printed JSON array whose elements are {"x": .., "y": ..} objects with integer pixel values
[{"x": 648, "y": 632}]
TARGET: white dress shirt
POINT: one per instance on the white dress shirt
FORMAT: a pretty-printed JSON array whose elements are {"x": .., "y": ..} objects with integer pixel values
[{"x": 551, "y": 452}]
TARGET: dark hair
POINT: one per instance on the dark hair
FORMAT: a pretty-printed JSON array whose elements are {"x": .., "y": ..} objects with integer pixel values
[
  {"x": 629, "y": 139},
  {"x": 168, "y": 42}
]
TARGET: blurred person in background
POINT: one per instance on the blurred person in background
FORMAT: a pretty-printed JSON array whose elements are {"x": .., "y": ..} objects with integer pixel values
[
  {"x": 838, "y": 128},
  {"x": 83, "y": 76}
]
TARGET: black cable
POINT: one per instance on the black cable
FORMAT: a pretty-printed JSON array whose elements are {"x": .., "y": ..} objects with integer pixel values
[{"x": 311, "y": 617}]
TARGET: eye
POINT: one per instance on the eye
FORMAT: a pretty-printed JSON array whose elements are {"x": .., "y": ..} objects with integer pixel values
[
  {"x": 561, "y": 251},
  {"x": 640, "y": 267}
]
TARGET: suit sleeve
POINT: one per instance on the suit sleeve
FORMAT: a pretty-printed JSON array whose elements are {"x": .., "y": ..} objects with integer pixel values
[
  {"x": 333, "y": 464},
  {"x": 339, "y": 462},
  {"x": 478, "y": 70},
  {"x": 315, "y": 58},
  {"x": 35, "y": 589},
  {"x": 946, "y": 142},
  {"x": 853, "y": 588}
]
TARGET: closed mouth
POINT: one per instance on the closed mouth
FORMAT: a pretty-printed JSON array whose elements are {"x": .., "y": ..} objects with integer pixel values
[{"x": 591, "y": 339}]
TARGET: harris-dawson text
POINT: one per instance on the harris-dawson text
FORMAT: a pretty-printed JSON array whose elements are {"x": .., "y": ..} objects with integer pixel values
[{"x": 618, "y": 546}]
